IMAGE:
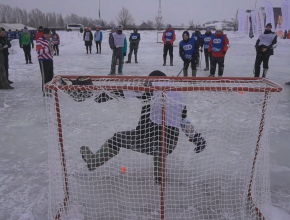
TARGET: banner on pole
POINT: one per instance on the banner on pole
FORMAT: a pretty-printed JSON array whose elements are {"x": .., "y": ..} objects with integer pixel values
[
  {"x": 260, "y": 21},
  {"x": 242, "y": 21},
  {"x": 254, "y": 22},
  {"x": 270, "y": 14},
  {"x": 279, "y": 28},
  {"x": 286, "y": 14}
]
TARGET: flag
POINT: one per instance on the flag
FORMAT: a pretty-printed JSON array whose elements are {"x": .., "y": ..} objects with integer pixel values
[
  {"x": 279, "y": 28},
  {"x": 254, "y": 22},
  {"x": 260, "y": 21},
  {"x": 269, "y": 14},
  {"x": 286, "y": 14},
  {"x": 242, "y": 21},
  {"x": 251, "y": 34}
]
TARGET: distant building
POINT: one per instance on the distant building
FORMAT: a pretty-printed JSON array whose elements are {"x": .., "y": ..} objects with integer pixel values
[{"x": 144, "y": 26}]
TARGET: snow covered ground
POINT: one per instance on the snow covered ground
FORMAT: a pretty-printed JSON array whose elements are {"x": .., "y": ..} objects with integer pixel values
[{"x": 23, "y": 124}]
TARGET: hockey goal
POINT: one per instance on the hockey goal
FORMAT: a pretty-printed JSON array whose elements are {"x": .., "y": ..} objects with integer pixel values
[{"x": 107, "y": 160}]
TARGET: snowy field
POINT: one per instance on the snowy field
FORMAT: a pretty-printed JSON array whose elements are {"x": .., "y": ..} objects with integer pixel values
[{"x": 24, "y": 130}]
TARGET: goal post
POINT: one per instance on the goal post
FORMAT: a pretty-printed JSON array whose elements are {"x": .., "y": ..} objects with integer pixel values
[{"x": 120, "y": 148}]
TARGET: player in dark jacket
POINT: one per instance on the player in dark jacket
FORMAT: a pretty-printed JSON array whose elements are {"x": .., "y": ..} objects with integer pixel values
[
  {"x": 198, "y": 38},
  {"x": 147, "y": 136},
  {"x": 134, "y": 45},
  {"x": 188, "y": 49},
  {"x": 264, "y": 47},
  {"x": 206, "y": 39}
]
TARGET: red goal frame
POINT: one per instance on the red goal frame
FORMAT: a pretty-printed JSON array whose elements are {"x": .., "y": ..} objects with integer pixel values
[{"x": 55, "y": 85}]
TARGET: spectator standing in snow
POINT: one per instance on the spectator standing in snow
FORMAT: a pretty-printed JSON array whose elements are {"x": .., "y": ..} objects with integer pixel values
[
  {"x": 118, "y": 43},
  {"x": 5, "y": 43},
  {"x": 264, "y": 48},
  {"x": 88, "y": 38},
  {"x": 45, "y": 56},
  {"x": 9, "y": 35},
  {"x": 39, "y": 33},
  {"x": 98, "y": 39},
  {"x": 56, "y": 42},
  {"x": 218, "y": 47},
  {"x": 25, "y": 42},
  {"x": 168, "y": 39}
]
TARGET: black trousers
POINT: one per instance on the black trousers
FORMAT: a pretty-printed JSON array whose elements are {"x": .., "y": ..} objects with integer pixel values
[
  {"x": 6, "y": 66},
  {"x": 187, "y": 62},
  {"x": 214, "y": 61},
  {"x": 259, "y": 59},
  {"x": 55, "y": 47},
  {"x": 166, "y": 49},
  {"x": 207, "y": 57},
  {"x": 46, "y": 69},
  {"x": 27, "y": 52},
  {"x": 98, "y": 45}
]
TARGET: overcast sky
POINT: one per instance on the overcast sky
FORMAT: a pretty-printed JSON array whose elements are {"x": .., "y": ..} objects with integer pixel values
[{"x": 174, "y": 12}]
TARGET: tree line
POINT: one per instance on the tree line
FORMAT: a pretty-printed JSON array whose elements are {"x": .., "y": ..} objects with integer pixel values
[{"x": 36, "y": 18}]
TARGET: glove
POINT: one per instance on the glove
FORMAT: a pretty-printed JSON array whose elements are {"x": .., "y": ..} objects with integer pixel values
[
  {"x": 224, "y": 52},
  {"x": 199, "y": 142},
  {"x": 168, "y": 43},
  {"x": 124, "y": 54},
  {"x": 103, "y": 97}
]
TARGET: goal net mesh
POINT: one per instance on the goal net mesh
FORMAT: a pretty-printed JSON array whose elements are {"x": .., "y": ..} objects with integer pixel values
[{"x": 117, "y": 148}]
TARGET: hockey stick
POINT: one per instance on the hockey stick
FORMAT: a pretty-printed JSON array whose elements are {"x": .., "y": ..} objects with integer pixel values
[{"x": 184, "y": 66}]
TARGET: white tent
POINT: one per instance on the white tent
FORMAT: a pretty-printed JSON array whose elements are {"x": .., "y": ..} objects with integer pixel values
[{"x": 17, "y": 26}]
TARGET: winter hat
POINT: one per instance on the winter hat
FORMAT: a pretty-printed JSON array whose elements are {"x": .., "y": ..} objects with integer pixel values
[
  {"x": 25, "y": 29},
  {"x": 169, "y": 26},
  {"x": 197, "y": 27},
  {"x": 269, "y": 25},
  {"x": 185, "y": 33},
  {"x": 208, "y": 28},
  {"x": 46, "y": 31},
  {"x": 40, "y": 27},
  {"x": 120, "y": 27},
  {"x": 88, "y": 28},
  {"x": 97, "y": 28},
  {"x": 2, "y": 29},
  {"x": 157, "y": 73},
  {"x": 218, "y": 29}
]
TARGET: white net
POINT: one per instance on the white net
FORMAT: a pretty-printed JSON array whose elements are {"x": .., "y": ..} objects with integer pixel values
[{"x": 118, "y": 149}]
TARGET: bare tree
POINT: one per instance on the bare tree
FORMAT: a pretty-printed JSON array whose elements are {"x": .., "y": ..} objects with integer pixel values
[
  {"x": 191, "y": 24},
  {"x": 235, "y": 22},
  {"x": 112, "y": 24},
  {"x": 158, "y": 23},
  {"x": 124, "y": 18},
  {"x": 150, "y": 23}
]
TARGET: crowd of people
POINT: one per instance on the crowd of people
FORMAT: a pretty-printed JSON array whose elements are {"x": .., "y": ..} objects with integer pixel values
[{"x": 214, "y": 45}]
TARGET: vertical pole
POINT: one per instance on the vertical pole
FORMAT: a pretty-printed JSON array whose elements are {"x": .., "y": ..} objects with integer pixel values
[
  {"x": 99, "y": 9},
  {"x": 163, "y": 155},
  {"x": 62, "y": 155},
  {"x": 258, "y": 146}
]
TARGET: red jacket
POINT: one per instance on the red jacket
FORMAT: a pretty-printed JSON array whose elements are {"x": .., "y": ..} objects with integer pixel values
[
  {"x": 225, "y": 47},
  {"x": 39, "y": 34},
  {"x": 164, "y": 37},
  {"x": 288, "y": 35}
]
